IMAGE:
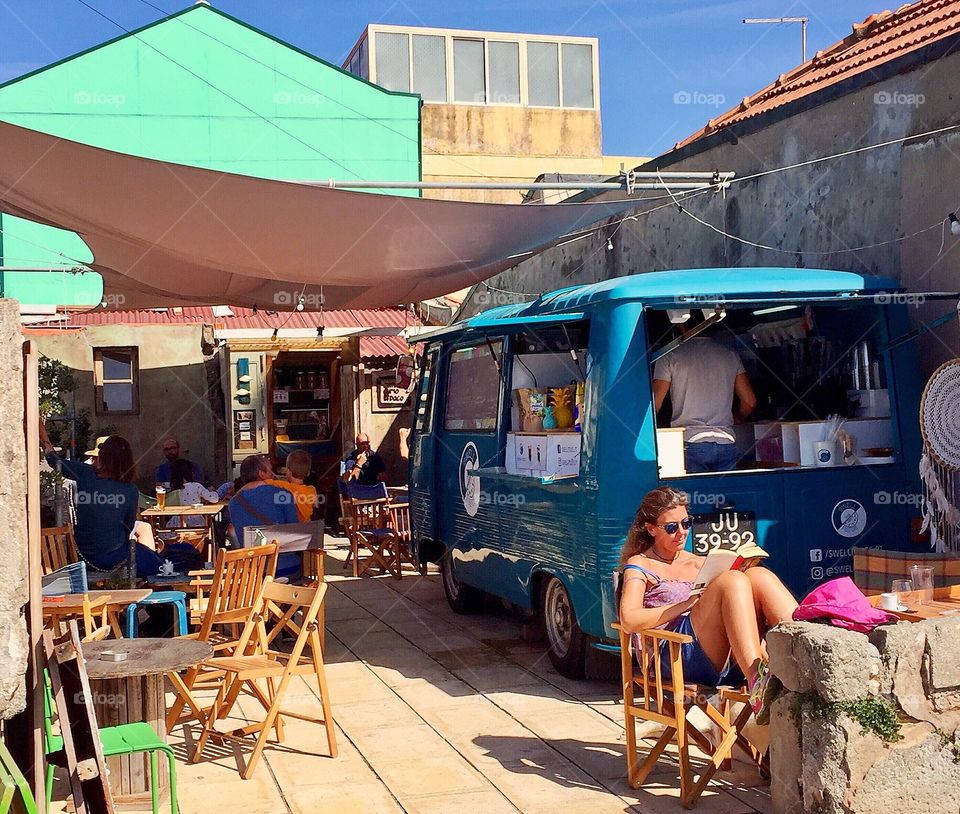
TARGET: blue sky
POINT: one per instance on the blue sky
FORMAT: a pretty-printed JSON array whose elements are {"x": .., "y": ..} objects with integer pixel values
[{"x": 665, "y": 67}]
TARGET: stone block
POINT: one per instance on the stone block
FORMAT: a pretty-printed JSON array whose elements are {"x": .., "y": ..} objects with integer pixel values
[
  {"x": 786, "y": 756},
  {"x": 839, "y": 665},
  {"x": 943, "y": 663},
  {"x": 13, "y": 521},
  {"x": 901, "y": 648},
  {"x": 836, "y": 758},
  {"x": 918, "y": 775}
]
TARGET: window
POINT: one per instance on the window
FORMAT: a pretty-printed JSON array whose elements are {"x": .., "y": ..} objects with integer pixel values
[
  {"x": 393, "y": 61},
  {"x": 504, "y": 73},
  {"x": 362, "y": 65},
  {"x": 425, "y": 400},
  {"x": 543, "y": 80},
  {"x": 577, "y": 75},
  {"x": 468, "y": 72},
  {"x": 473, "y": 388},
  {"x": 430, "y": 67},
  {"x": 116, "y": 379}
]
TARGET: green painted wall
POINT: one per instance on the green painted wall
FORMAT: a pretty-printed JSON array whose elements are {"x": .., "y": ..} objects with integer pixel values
[{"x": 204, "y": 89}]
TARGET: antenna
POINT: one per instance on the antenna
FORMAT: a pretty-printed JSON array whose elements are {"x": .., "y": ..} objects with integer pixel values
[{"x": 778, "y": 21}]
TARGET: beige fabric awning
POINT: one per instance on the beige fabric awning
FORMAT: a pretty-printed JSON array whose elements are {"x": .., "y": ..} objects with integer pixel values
[{"x": 167, "y": 234}]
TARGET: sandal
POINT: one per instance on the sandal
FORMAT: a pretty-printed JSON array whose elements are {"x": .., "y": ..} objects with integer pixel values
[{"x": 762, "y": 693}]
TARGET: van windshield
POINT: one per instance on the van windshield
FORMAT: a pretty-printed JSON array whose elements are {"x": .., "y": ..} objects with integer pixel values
[{"x": 783, "y": 386}]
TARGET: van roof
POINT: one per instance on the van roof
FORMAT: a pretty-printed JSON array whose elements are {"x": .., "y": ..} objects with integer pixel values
[{"x": 680, "y": 288}]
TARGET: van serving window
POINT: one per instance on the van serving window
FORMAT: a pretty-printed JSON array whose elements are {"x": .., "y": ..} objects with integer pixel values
[{"x": 473, "y": 388}]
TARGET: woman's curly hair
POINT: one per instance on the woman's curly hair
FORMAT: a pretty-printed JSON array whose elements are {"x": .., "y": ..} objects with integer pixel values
[{"x": 655, "y": 502}]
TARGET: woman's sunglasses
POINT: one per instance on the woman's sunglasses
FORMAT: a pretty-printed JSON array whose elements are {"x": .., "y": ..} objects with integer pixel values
[{"x": 674, "y": 527}]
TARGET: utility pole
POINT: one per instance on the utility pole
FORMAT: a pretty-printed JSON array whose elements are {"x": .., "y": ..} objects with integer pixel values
[{"x": 779, "y": 20}]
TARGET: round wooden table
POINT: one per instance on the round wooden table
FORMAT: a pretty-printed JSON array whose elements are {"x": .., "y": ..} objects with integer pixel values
[{"x": 133, "y": 690}]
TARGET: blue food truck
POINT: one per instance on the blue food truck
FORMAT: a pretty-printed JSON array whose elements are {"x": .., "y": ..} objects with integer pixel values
[{"x": 513, "y": 503}]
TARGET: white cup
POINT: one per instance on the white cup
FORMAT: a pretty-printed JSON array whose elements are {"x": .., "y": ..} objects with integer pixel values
[
  {"x": 824, "y": 453},
  {"x": 890, "y": 602}
]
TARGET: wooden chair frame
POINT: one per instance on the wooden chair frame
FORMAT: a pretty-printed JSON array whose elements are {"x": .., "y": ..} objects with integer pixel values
[
  {"x": 402, "y": 527},
  {"x": 234, "y": 591},
  {"x": 93, "y": 614},
  {"x": 647, "y": 697},
  {"x": 57, "y": 548},
  {"x": 285, "y": 607},
  {"x": 371, "y": 530}
]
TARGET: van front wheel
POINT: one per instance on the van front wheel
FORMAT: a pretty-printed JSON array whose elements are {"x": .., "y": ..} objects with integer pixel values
[
  {"x": 464, "y": 599},
  {"x": 566, "y": 642}
]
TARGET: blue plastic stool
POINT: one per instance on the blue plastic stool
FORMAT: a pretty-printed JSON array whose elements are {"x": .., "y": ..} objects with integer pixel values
[{"x": 176, "y": 598}]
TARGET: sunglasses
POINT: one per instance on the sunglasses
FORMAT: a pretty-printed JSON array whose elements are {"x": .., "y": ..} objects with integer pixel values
[{"x": 674, "y": 527}]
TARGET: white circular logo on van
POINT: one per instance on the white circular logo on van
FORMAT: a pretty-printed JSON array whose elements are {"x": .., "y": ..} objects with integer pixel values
[
  {"x": 470, "y": 483},
  {"x": 849, "y": 518}
]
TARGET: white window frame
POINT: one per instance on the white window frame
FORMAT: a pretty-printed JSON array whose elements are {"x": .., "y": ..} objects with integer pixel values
[{"x": 521, "y": 40}]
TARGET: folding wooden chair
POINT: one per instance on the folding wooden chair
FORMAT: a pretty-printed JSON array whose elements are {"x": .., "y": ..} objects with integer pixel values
[
  {"x": 371, "y": 534},
  {"x": 282, "y": 607},
  {"x": 400, "y": 523},
  {"x": 57, "y": 548},
  {"x": 646, "y": 697},
  {"x": 92, "y": 615},
  {"x": 237, "y": 579}
]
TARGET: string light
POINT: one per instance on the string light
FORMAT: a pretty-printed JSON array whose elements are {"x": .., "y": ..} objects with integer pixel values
[
  {"x": 954, "y": 224},
  {"x": 273, "y": 336}
]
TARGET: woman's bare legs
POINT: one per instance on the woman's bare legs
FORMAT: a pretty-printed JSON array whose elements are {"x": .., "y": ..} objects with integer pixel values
[
  {"x": 773, "y": 602},
  {"x": 725, "y": 621}
]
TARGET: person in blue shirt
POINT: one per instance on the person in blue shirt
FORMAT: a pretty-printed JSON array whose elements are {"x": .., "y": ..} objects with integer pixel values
[
  {"x": 171, "y": 451},
  {"x": 106, "y": 505},
  {"x": 258, "y": 503}
]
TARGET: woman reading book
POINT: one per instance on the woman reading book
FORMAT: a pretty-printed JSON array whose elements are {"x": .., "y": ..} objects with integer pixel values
[{"x": 726, "y": 620}]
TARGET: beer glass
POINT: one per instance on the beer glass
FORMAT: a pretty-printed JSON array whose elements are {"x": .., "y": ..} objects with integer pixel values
[
  {"x": 161, "y": 496},
  {"x": 922, "y": 578}
]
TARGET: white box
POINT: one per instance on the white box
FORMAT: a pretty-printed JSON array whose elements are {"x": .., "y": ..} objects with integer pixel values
[
  {"x": 543, "y": 455},
  {"x": 800, "y": 436},
  {"x": 670, "y": 452}
]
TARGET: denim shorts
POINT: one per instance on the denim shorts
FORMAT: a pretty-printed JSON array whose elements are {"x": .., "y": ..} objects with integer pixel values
[{"x": 697, "y": 667}]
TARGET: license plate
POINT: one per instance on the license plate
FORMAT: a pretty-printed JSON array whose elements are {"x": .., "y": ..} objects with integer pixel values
[{"x": 723, "y": 530}]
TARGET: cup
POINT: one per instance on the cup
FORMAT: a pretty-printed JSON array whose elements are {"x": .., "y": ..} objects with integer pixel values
[
  {"x": 922, "y": 578},
  {"x": 166, "y": 568},
  {"x": 161, "y": 496},
  {"x": 903, "y": 590},
  {"x": 889, "y": 602},
  {"x": 825, "y": 453}
]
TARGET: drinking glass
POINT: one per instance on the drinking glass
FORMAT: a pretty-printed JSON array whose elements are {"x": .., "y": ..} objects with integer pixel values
[
  {"x": 922, "y": 578},
  {"x": 903, "y": 588},
  {"x": 161, "y": 497}
]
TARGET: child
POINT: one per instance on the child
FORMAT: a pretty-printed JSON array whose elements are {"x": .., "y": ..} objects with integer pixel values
[
  {"x": 299, "y": 464},
  {"x": 185, "y": 491}
]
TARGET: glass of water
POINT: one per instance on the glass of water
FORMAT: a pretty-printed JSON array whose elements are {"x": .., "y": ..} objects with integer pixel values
[
  {"x": 903, "y": 588},
  {"x": 922, "y": 578}
]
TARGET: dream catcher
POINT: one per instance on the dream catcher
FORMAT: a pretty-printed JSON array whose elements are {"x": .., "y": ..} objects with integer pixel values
[{"x": 940, "y": 462}]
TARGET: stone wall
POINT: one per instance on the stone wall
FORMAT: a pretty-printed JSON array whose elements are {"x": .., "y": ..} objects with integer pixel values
[
  {"x": 841, "y": 214},
  {"x": 823, "y": 759},
  {"x": 13, "y": 519}
]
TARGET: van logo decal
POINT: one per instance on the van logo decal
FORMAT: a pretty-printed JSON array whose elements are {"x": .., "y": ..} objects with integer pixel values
[
  {"x": 470, "y": 483},
  {"x": 849, "y": 518}
]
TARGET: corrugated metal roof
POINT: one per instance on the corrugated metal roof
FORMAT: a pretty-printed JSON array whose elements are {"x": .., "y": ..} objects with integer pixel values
[
  {"x": 878, "y": 39},
  {"x": 246, "y": 318},
  {"x": 382, "y": 347}
]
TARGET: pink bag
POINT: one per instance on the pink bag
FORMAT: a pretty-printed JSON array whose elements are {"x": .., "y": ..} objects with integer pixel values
[{"x": 842, "y": 604}]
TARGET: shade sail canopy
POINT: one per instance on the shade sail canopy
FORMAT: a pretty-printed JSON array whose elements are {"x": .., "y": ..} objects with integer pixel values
[{"x": 168, "y": 234}]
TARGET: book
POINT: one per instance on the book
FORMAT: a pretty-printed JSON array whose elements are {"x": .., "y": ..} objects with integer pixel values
[{"x": 728, "y": 559}]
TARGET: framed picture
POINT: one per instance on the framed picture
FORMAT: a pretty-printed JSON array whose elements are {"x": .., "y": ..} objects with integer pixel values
[{"x": 388, "y": 395}]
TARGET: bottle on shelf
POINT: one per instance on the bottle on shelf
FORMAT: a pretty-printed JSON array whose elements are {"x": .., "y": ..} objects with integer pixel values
[{"x": 300, "y": 380}]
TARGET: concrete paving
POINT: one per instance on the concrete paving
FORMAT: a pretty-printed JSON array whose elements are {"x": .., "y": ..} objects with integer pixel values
[{"x": 439, "y": 713}]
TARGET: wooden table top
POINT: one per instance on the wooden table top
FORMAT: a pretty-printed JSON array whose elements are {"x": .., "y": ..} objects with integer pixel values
[
  {"x": 127, "y": 596},
  {"x": 179, "y": 511},
  {"x": 945, "y": 603},
  {"x": 144, "y": 656}
]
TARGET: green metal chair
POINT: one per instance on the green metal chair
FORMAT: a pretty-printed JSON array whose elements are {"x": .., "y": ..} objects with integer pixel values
[
  {"x": 12, "y": 781},
  {"x": 125, "y": 739}
]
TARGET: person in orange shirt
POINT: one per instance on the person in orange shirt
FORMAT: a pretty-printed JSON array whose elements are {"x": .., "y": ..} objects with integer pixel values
[{"x": 299, "y": 464}]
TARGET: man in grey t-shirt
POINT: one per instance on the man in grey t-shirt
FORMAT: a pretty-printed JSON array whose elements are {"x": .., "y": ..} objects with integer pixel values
[{"x": 701, "y": 376}]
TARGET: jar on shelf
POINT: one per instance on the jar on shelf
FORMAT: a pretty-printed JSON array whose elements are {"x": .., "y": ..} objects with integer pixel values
[
  {"x": 323, "y": 380},
  {"x": 300, "y": 382},
  {"x": 311, "y": 380}
]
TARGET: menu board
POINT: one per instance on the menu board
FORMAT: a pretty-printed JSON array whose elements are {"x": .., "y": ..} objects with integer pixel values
[{"x": 244, "y": 429}]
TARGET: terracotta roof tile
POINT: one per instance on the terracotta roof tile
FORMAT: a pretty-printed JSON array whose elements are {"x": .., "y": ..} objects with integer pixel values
[{"x": 878, "y": 39}]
